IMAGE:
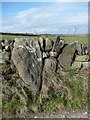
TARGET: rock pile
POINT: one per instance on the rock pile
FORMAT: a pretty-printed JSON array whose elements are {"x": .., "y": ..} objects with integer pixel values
[{"x": 32, "y": 56}]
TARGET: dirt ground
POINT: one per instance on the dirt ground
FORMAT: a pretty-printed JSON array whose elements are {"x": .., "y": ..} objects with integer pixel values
[{"x": 61, "y": 114}]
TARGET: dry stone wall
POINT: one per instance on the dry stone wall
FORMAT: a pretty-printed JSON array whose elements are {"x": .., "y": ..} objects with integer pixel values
[{"x": 34, "y": 56}]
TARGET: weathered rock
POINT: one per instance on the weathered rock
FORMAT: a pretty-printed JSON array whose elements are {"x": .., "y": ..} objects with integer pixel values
[
  {"x": 86, "y": 65},
  {"x": 27, "y": 58},
  {"x": 76, "y": 64},
  {"x": 56, "y": 43},
  {"x": 82, "y": 58},
  {"x": 1, "y": 58},
  {"x": 22, "y": 41},
  {"x": 50, "y": 64},
  {"x": 53, "y": 54},
  {"x": 68, "y": 54},
  {"x": 45, "y": 55},
  {"x": 48, "y": 44},
  {"x": 57, "y": 46},
  {"x": 0, "y": 45},
  {"x": 84, "y": 49},
  {"x": 7, "y": 42},
  {"x": 5, "y": 56},
  {"x": 80, "y": 65},
  {"x": 45, "y": 44},
  {"x": 77, "y": 46},
  {"x": 42, "y": 43}
]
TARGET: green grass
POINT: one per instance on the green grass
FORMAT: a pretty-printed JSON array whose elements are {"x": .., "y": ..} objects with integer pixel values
[
  {"x": 12, "y": 37},
  {"x": 72, "y": 39},
  {"x": 52, "y": 105},
  {"x": 78, "y": 89},
  {"x": 74, "y": 98},
  {"x": 12, "y": 107},
  {"x": 70, "y": 71}
]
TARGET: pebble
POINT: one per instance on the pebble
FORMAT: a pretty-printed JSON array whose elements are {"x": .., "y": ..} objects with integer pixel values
[
  {"x": 35, "y": 117},
  {"x": 85, "y": 113}
]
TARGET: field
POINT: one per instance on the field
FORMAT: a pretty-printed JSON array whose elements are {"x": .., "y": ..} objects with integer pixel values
[{"x": 69, "y": 39}]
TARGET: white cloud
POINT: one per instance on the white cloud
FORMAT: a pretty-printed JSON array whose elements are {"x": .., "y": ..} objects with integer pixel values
[{"x": 56, "y": 18}]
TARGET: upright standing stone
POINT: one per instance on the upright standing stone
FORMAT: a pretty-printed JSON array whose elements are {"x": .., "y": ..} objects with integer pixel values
[
  {"x": 57, "y": 46},
  {"x": 42, "y": 43},
  {"x": 27, "y": 58},
  {"x": 48, "y": 44}
]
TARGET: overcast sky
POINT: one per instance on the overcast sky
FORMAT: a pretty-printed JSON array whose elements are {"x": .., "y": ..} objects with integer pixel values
[{"x": 45, "y": 17}]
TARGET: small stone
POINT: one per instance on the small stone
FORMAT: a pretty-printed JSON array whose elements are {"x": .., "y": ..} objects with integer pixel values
[
  {"x": 85, "y": 113},
  {"x": 53, "y": 54},
  {"x": 44, "y": 55}
]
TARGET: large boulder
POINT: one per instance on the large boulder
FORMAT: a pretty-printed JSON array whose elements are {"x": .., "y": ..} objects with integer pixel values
[
  {"x": 66, "y": 57},
  {"x": 27, "y": 57}
]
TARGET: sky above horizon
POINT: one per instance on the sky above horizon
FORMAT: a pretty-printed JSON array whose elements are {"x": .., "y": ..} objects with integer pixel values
[{"x": 45, "y": 17}]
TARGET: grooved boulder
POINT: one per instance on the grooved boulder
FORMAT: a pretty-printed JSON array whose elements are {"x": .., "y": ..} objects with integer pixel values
[
  {"x": 27, "y": 58},
  {"x": 50, "y": 64}
]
